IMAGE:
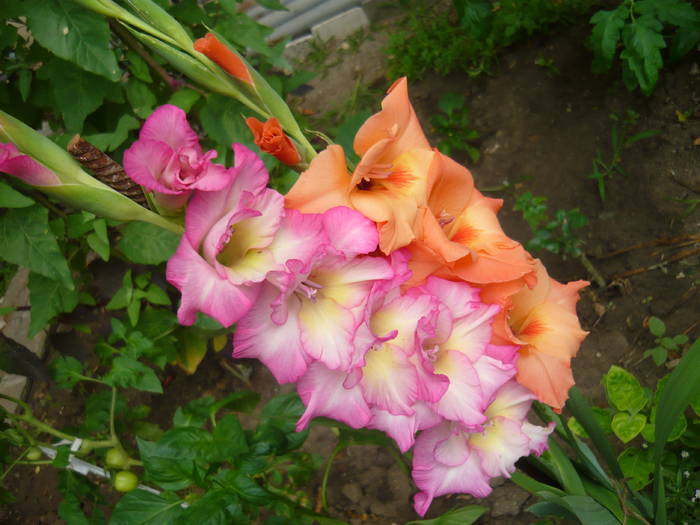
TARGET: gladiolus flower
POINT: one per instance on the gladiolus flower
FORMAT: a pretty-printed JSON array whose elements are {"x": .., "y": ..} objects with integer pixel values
[
  {"x": 234, "y": 238},
  {"x": 270, "y": 138},
  {"x": 168, "y": 160},
  {"x": 223, "y": 56},
  {"x": 391, "y": 181}
]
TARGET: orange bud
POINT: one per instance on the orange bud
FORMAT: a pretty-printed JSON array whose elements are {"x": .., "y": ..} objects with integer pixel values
[
  {"x": 220, "y": 53},
  {"x": 270, "y": 138}
]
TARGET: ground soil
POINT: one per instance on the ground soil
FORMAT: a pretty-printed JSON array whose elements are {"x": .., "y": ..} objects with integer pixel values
[{"x": 540, "y": 131}]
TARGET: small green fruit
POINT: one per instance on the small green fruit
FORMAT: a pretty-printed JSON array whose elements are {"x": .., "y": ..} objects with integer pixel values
[
  {"x": 125, "y": 481},
  {"x": 116, "y": 458},
  {"x": 33, "y": 454}
]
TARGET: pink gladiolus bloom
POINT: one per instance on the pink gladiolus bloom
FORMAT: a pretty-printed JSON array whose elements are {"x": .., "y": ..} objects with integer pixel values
[
  {"x": 25, "y": 168},
  {"x": 233, "y": 239},
  {"x": 168, "y": 160},
  {"x": 448, "y": 460},
  {"x": 315, "y": 309}
]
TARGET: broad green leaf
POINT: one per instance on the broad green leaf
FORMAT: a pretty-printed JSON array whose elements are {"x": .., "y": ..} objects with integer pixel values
[
  {"x": 145, "y": 508},
  {"x": 605, "y": 35},
  {"x": 657, "y": 326},
  {"x": 156, "y": 295},
  {"x": 462, "y": 516},
  {"x": 145, "y": 243},
  {"x": 73, "y": 33},
  {"x": 138, "y": 67},
  {"x": 26, "y": 240},
  {"x": 623, "y": 390},
  {"x": 111, "y": 141},
  {"x": 685, "y": 39},
  {"x": 77, "y": 92},
  {"x": 674, "y": 12},
  {"x": 222, "y": 120},
  {"x": 210, "y": 509},
  {"x": 229, "y": 440},
  {"x": 67, "y": 371},
  {"x": 643, "y": 43},
  {"x": 130, "y": 373},
  {"x": 99, "y": 246},
  {"x": 273, "y": 4},
  {"x": 70, "y": 510},
  {"x": 140, "y": 97},
  {"x": 48, "y": 299},
  {"x": 474, "y": 16},
  {"x": 191, "y": 350},
  {"x": 195, "y": 413},
  {"x": 637, "y": 466},
  {"x": 11, "y": 198},
  {"x": 184, "y": 98},
  {"x": 627, "y": 426},
  {"x": 24, "y": 84},
  {"x": 565, "y": 471},
  {"x": 170, "y": 464}
]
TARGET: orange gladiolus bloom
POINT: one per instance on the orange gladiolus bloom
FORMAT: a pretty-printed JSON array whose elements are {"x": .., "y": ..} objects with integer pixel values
[
  {"x": 544, "y": 320},
  {"x": 226, "y": 59},
  {"x": 392, "y": 180},
  {"x": 270, "y": 138},
  {"x": 459, "y": 236}
]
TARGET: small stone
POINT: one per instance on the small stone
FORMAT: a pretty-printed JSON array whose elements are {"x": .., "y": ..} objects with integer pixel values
[
  {"x": 353, "y": 492},
  {"x": 508, "y": 500}
]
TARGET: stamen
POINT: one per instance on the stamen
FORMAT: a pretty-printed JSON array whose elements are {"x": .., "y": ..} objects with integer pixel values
[{"x": 445, "y": 218}]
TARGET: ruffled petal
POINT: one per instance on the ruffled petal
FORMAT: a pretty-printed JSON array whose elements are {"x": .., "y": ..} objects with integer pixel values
[{"x": 169, "y": 124}]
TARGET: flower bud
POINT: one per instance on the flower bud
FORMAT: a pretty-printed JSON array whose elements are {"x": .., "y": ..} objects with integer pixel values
[{"x": 270, "y": 138}]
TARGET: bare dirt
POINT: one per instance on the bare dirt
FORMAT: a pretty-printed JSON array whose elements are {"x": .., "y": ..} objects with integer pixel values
[{"x": 540, "y": 131}]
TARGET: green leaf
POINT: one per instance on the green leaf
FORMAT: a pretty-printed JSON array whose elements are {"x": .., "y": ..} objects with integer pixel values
[
  {"x": 685, "y": 39},
  {"x": 643, "y": 43},
  {"x": 156, "y": 295},
  {"x": 140, "y": 97},
  {"x": 145, "y": 243},
  {"x": 77, "y": 92},
  {"x": 70, "y": 510},
  {"x": 73, "y": 33},
  {"x": 210, "y": 509},
  {"x": 624, "y": 390},
  {"x": 222, "y": 120},
  {"x": 67, "y": 371},
  {"x": 565, "y": 470},
  {"x": 195, "y": 413},
  {"x": 62, "y": 457},
  {"x": 122, "y": 297},
  {"x": 580, "y": 408},
  {"x": 605, "y": 35},
  {"x": 637, "y": 466},
  {"x": 657, "y": 326},
  {"x": 462, "y": 516},
  {"x": 111, "y": 141},
  {"x": 184, "y": 98},
  {"x": 229, "y": 440},
  {"x": 127, "y": 372},
  {"x": 24, "y": 83},
  {"x": 138, "y": 67},
  {"x": 99, "y": 246},
  {"x": 145, "y": 508},
  {"x": 273, "y": 4},
  {"x": 11, "y": 198},
  {"x": 627, "y": 426},
  {"x": 26, "y": 240},
  {"x": 48, "y": 299},
  {"x": 171, "y": 461}
]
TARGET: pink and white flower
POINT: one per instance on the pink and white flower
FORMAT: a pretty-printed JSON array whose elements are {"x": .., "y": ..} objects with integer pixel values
[{"x": 168, "y": 160}]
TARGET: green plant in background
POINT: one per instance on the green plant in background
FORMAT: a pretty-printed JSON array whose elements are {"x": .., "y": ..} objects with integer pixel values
[
  {"x": 664, "y": 344},
  {"x": 452, "y": 124},
  {"x": 469, "y": 36},
  {"x": 556, "y": 235},
  {"x": 593, "y": 484},
  {"x": 619, "y": 140},
  {"x": 640, "y": 29}
]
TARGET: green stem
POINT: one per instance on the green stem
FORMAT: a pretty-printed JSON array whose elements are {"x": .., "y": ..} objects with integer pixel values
[
  {"x": 592, "y": 271},
  {"x": 112, "y": 410},
  {"x": 326, "y": 473},
  {"x": 12, "y": 465}
]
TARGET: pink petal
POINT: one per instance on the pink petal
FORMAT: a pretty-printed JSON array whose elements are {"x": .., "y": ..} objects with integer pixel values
[
  {"x": 301, "y": 238},
  {"x": 205, "y": 291},
  {"x": 323, "y": 393},
  {"x": 471, "y": 333},
  {"x": 538, "y": 436},
  {"x": 500, "y": 445},
  {"x": 512, "y": 401},
  {"x": 463, "y": 399},
  {"x": 389, "y": 380},
  {"x": 25, "y": 167},
  {"x": 169, "y": 124},
  {"x": 214, "y": 178},
  {"x": 249, "y": 168},
  {"x": 146, "y": 162},
  {"x": 350, "y": 232},
  {"x": 277, "y": 346},
  {"x": 402, "y": 429},
  {"x": 492, "y": 375},
  {"x": 459, "y": 296}
]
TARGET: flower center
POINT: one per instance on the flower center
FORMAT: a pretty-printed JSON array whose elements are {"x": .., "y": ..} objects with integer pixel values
[{"x": 308, "y": 288}]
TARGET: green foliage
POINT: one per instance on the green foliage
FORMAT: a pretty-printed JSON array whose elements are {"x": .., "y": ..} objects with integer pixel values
[
  {"x": 555, "y": 235},
  {"x": 469, "y": 36},
  {"x": 664, "y": 344},
  {"x": 452, "y": 124},
  {"x": 620, "y": 139},
  {"x": 640, "y": 30},
  {"x": 668, "y": 456}
]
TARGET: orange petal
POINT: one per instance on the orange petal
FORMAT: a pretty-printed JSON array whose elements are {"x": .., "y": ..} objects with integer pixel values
[
  {"x": 551, "y": 329},
  {"x": 453, "y": 188},
  {"x": 324, "y": 185},
  {"x": 224, "y": 57},
  {"x": 546, "y": 376},
  {"x": 397, "y": 121},
  {"x": 270, "y": 138}
]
